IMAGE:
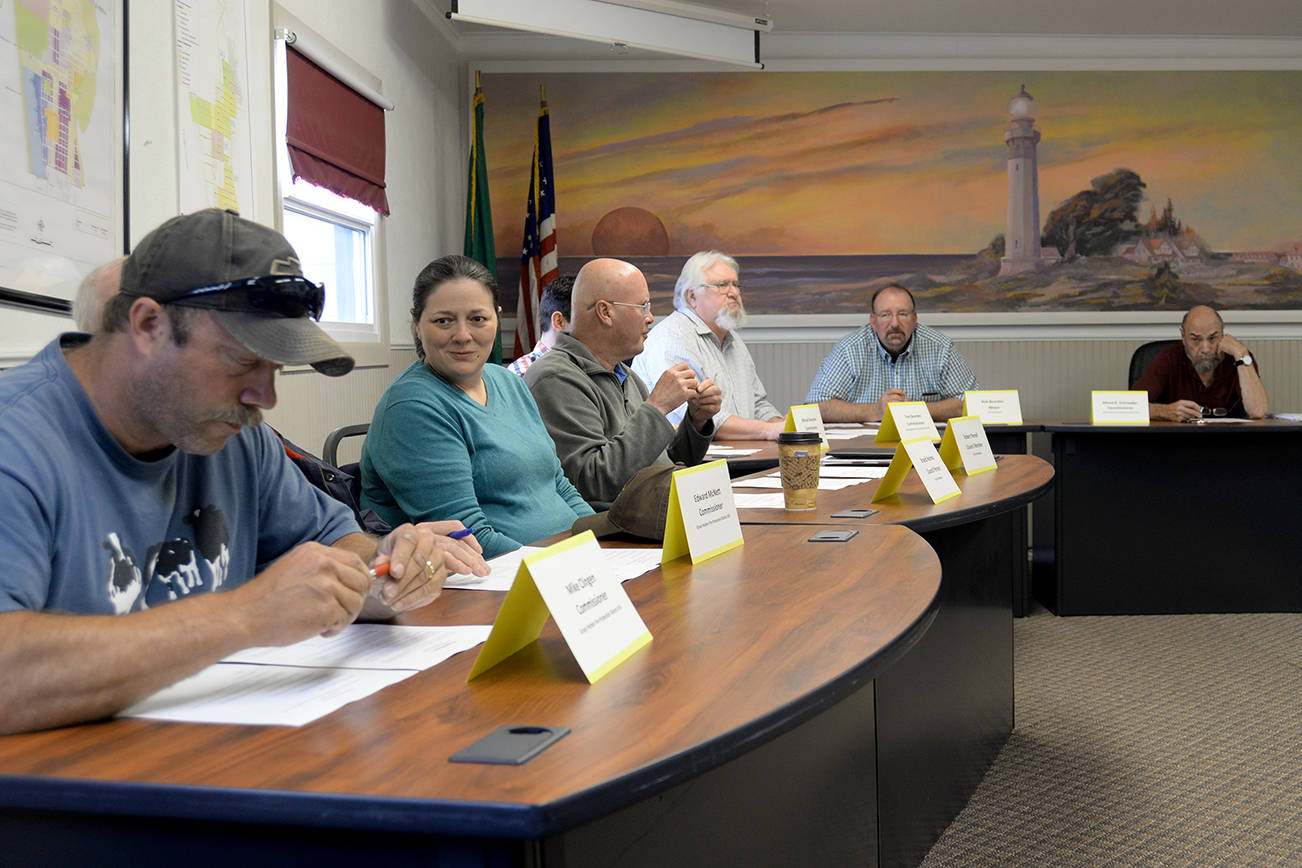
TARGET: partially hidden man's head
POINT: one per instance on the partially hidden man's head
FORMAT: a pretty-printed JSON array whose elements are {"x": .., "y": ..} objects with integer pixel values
[
  {"x": 245, "y": 275},
  {"x": 893, "y": 317},
  {"x": 1200, "y": 332},
  {"x": 554, "y": 306}
]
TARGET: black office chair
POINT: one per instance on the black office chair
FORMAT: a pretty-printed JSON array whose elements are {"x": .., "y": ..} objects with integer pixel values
[
  {"x": 1143, "y": 357},
  {"x": 330, "y": 452}
]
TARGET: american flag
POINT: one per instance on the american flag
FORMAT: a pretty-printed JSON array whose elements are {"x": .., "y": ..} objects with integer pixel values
[{"x": 538, "y": 265}]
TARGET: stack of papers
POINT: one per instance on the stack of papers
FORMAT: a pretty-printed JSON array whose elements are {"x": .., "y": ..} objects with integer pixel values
[{"x": 297, "y": 684}]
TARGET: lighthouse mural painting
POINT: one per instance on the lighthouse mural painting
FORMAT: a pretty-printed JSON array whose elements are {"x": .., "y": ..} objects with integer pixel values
[{"x": 1088, "y": 192}]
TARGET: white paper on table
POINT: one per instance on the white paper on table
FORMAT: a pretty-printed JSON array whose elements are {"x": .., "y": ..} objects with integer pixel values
[
  {"x": 776, "y": 482},
  {"x": 759, "y": 501},
  {"x": 851, "y": 471},
  {"x": 1219, "y": 420},
  {"x": 628, "y": 564},
  {"x": 862, "y": 429},
  {"x": 843, "y": 434},
  {"x": 274, "y": 694},
  {"x": 729, "y": 452},
  {"x": 370, "y": 646},
  {"x": 1289, "y": 417},
  {"x": 503, "y": 569},
  {"x": 263, "y": 695}
]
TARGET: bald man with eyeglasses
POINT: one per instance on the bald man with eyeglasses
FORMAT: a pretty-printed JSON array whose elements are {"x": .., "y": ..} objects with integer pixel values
[{"x": 606, "y": 423}]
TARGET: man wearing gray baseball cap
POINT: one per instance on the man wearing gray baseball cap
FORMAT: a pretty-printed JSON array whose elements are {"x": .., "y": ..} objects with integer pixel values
[{"x": 136, "y": 481}]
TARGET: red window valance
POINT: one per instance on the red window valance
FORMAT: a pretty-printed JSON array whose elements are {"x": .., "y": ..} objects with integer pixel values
[{"x": 335, "y": 135}]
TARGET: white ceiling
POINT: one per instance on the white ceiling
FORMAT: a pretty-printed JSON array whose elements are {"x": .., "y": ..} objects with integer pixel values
[{"x": 1070, "y": 17}]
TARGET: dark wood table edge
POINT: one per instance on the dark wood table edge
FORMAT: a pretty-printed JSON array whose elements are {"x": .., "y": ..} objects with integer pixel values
[{"x": 466, "y": 819}]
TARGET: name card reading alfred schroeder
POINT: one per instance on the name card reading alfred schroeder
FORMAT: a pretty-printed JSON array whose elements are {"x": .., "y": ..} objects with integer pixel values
[
  {"x": 572, "y": 582},
  {"x": 702, "y": 520},
  {"x": 1118, "y": 408}
]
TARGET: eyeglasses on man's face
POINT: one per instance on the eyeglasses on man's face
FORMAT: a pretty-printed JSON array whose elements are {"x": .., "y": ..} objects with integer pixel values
[
  {"x": 645, "y": 306},
  {"x": 723, "y": 286}
]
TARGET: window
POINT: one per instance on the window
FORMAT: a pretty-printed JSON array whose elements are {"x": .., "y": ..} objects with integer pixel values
[{"x": 335, "y": 238}]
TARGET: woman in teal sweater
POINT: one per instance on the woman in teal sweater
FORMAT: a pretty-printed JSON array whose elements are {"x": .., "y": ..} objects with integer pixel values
[{"x": 454, "y": 439}]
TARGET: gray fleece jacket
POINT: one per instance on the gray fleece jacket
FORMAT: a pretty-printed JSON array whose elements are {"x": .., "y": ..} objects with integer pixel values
[{"x": 605, "y": 432}]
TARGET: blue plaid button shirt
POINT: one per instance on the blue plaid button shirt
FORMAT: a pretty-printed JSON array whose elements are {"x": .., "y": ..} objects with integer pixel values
[{"x": 859, "y": 370}]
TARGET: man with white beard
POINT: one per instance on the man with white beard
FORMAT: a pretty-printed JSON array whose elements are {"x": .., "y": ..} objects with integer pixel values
[
  {"x": 702, "y": 332},
  {"x": 1209, "y": 373}
]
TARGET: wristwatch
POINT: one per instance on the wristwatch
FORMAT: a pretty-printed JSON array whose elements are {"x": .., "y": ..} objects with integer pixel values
[{"x": 1246, "y": 360}]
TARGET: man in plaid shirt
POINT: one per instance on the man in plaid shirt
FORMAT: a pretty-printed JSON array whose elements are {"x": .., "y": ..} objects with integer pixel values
[
  {"x": 893, "y": 358},
  {"x": 553, "y": 318}
]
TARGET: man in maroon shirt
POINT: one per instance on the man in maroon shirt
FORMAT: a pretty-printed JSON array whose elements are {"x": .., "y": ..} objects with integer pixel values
[{"x": 1208, "y": 373}]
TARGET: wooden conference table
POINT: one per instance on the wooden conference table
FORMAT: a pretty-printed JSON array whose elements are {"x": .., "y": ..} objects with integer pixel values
[
  {"x": 954, "y": 689},
  {"x": 743, "y": 734},
  {"x": 1175, "y": 518}
]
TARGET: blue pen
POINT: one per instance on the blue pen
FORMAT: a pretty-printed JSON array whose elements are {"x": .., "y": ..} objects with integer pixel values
[{"x": 461, "y": 534}]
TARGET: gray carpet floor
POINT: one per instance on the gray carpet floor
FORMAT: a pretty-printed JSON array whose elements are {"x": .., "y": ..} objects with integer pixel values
[{"x": 1144, "y": 741}]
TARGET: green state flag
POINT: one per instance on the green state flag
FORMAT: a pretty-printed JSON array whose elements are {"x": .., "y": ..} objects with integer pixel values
[{"x": 479, "y": 214}]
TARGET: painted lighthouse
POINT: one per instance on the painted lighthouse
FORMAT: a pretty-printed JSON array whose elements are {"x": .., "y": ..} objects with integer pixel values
[{"x": 1022, "y": 237}]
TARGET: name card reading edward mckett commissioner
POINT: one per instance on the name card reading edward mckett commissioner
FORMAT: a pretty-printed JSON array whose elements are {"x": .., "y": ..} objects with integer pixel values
[
  {"x": 1119, "y": 408},
  {"x": 572, "y": 581},
  {"x": 904, "y": 421},
  {"x": 965, "y": 445},
  {"x": 995, "y": 407},
  {"x": 702, "y": 519},
  {"x": 807, "y": 418},
  {"x": 920, "y": 453}
]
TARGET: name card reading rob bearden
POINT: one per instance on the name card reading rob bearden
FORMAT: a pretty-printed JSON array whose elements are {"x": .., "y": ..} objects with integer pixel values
[
  {"x": 572, "y": 581},
  {"x": 1119, "y": 408},
  {"x": 995, "y": 407},
  {"x": 807, "y": 417},
  {"x": 702, "y": 520}
]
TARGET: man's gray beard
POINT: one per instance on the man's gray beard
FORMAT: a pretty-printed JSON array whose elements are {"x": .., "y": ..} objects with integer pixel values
[
  {"x": 1206, "y": 364},
  {"x": 729, "y": 321}
]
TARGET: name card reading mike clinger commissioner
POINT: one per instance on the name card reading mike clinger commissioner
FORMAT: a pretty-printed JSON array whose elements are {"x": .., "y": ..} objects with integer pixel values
[
  {"x": 1119, "y": 408},
  {"x": 572, "y": 582},
  {"x": 702, "y": 520}
]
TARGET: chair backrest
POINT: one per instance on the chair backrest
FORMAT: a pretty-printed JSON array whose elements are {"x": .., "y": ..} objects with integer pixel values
[
  {"x": 1143, "y": 357},
  {"x": 330, "y": 452}
]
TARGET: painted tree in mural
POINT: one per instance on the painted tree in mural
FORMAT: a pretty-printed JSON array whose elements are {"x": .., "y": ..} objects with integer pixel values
[{"x": 1095, "y": 221}]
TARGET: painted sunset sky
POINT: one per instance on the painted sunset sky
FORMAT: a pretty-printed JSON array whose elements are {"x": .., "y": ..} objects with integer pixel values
[{"x": 824, "y": 163}]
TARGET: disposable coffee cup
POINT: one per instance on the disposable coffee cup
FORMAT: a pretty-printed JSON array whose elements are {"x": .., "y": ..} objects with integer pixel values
[{"x": 799, "y": 453}]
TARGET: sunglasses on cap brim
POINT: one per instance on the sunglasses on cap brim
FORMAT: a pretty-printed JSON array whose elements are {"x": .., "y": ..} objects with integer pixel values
[{"x": 282, "y": 295}]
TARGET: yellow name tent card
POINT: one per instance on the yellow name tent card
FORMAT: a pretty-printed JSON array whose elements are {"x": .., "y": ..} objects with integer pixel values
[
  {"x": 572, "y": 582},
  {"x": 808, "y": 418},
  {"x": 904, "y": 421},
  {"x": 995, "y": 407},
  {"x": 702, "y": 519},
  {"x": 1118, "y": 408},
  {"x": 966, "y": 445},
  {"x": 920, "y": 453}
]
